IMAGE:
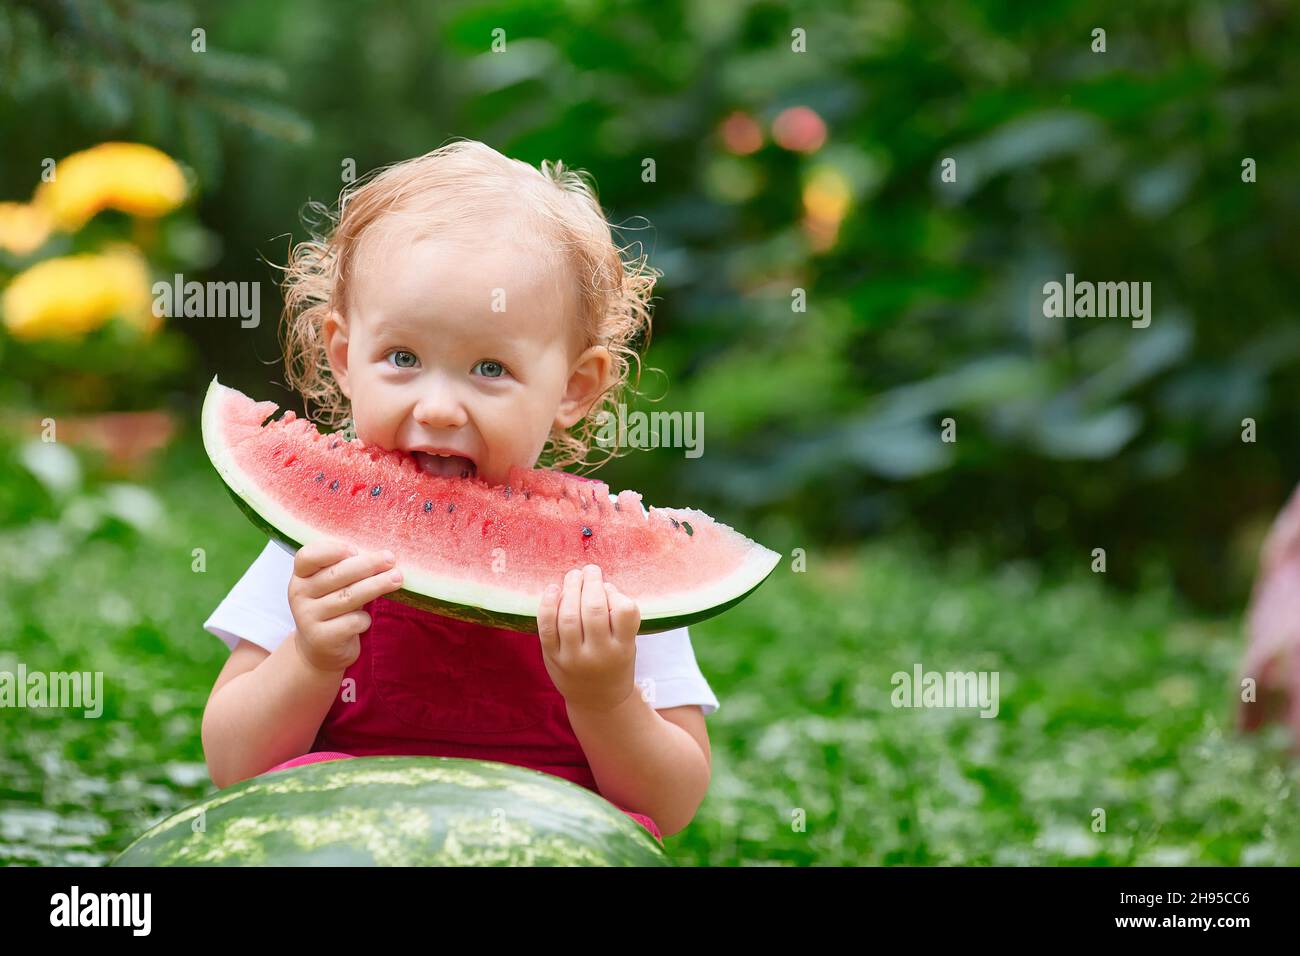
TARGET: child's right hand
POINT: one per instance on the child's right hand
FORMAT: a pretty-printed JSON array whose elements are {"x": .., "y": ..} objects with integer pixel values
[{"x": 331, "y": 583}]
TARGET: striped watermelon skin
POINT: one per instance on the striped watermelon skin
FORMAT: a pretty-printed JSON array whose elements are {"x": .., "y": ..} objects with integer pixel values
[{"x": 399, "y": 811}]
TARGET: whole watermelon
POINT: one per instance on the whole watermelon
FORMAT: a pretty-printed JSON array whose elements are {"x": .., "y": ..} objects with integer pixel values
[{"x": 399, "y": 811}]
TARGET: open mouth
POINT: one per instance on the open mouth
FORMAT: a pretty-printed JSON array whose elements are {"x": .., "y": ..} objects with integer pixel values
[{"x": 445, "y": 466}]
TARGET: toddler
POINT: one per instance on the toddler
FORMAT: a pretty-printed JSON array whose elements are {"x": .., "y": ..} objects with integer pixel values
[{"x": 474, "y": 311}]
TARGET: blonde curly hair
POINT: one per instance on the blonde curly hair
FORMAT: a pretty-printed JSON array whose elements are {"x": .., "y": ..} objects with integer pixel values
[{"x": 455, "y": 187}]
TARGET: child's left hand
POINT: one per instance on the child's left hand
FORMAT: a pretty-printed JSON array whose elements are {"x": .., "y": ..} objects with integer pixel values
[{"x": 588, "y": 632}]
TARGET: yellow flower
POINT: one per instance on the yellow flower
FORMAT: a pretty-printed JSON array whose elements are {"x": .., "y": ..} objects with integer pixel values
[
  {"x": 23, "y": 228},
  {"x": 70, "y": 296},
  {"x": 132, "y": 177},
  {"x": 827, "y": 194}
]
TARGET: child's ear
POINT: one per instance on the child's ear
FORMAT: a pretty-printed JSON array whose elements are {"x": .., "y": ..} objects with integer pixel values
[
  {"x": 588, "y": 380},
  {"x": 335, "y": 334}
]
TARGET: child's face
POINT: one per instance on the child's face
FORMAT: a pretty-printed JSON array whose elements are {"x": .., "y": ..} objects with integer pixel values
[{"x": 464, "y": 348}]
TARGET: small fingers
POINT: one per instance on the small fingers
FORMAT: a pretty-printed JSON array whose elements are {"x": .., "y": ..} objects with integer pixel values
[
  {"x": 347, "y": 625},
  {"x": 569, "y": 616},
  {"x": 347, "y": 572},
  {"x": 352, "y": 596},
  {"x": 547, "y": 620},
  {"x": 311, "y": 558},
  {"x": 624, "y": 615},
  {"x": 595, "y": 606}
]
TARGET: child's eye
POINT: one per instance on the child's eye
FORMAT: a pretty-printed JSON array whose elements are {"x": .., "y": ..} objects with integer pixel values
[
  {"x": 491, "y": 369},
  {"x": 402, "y": 358}
]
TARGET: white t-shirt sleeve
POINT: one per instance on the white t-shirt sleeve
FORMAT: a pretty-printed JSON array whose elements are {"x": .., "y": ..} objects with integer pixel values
[
  {"x": 257, "y": 610},
  {"x": 667, "y": 673},
  {"x": 257, "y": 607}
]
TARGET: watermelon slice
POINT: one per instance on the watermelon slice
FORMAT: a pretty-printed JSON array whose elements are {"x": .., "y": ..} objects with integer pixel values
[{"x": 469, "y": 550}]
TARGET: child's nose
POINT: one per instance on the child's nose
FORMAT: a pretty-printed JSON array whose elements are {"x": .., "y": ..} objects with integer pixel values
[{"x": 440, "y": 407}]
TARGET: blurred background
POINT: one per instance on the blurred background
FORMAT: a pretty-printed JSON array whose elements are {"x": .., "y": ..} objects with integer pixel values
[{"x": 828, "y": 300}]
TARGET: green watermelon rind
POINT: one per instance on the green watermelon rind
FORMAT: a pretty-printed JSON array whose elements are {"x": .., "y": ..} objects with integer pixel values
[
  {"x": 399, "y": 811},
  {"x": 759, "y": 564}
]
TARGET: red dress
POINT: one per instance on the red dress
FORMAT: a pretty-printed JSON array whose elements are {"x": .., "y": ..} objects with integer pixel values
[{"x": 428, "y": 685}]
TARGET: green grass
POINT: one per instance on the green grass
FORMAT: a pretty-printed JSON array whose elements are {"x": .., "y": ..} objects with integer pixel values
[{"x": 1105, "y": 702}]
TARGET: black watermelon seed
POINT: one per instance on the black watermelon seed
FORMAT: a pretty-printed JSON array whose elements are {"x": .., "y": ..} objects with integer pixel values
[
  {"x": 321, "y": 476},
  {"x": 687, "y": 526},
  {"x": 451, "y": 507},
  {"x": 374, "y": 492},
  {"x": 334, "y": 485},
  {"x": 586, "y": 532},
  {"x": 507, "y": 491},
  {"x": 673, "y": 520},
  {"x": 428, "y": 506},
  {"x": 333, "y": 446},
  {"x": 527, "y": 495},
  {"x": 616, "y": 507}
]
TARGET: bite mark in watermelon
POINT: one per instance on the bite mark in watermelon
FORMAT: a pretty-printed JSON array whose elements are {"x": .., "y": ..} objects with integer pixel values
[{"x": 467, "y": 549}]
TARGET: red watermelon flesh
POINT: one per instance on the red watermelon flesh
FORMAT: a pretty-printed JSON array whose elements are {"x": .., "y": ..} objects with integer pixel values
[{"x": 468, "y": 549}]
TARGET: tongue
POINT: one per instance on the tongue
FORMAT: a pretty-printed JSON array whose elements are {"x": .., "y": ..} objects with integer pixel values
[{"x": 452, "y": 467}]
